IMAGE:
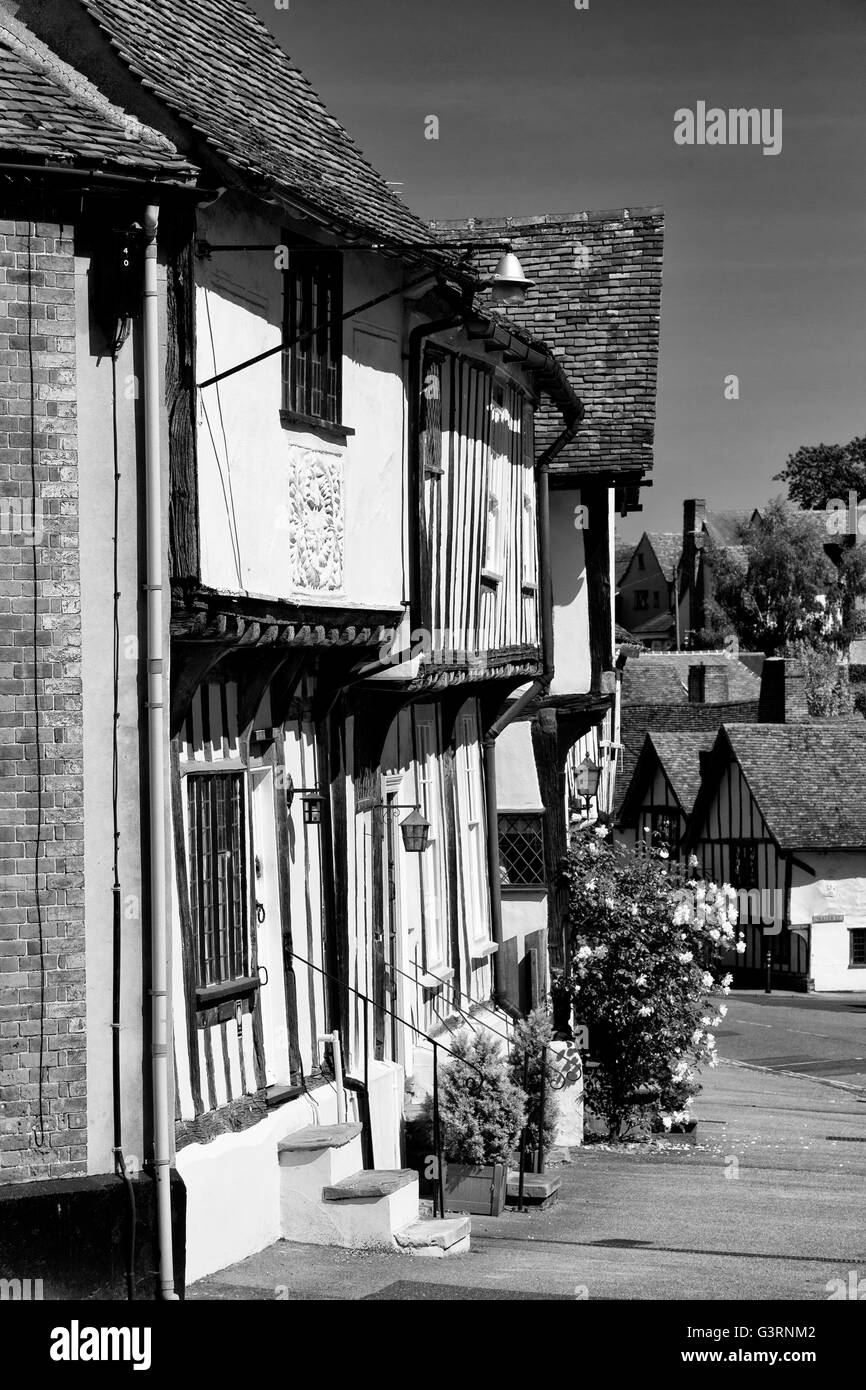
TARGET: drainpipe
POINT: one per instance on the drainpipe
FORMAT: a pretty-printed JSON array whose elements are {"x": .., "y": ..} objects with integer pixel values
[
  {"x": 538, "y": 687},
  {"x": 156, "y": 743}
]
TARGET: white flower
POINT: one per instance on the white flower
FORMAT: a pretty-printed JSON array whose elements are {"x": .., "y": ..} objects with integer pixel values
[
  {"x": 715, "y": 934},
  {"x": 601, "y": 831},
  {"x": 707, "y": 980},
  {"x": 685, "y": 958},
  {"x": 740, "y": 948},
  {"x": 723, "y": 1011},
  {"x": 727, "y": 980},
  {"x": 682, "y": 913},
  {"x": 706, "y": 1021},
  {"x": 640, "y": 981},
  {"x": 600, "y": 952},
  {"x": 609, "y": 904},
  {"x": 590, "y": 884},
  {"x": 693, "y": 861},
  {"x": 663, "y": 854},
  {"x": 711, "y": 1041},
  {"x": 697, "y": 1035},
  {"x": 644, "y": 1011},
  {"x": 584, "y": 953}
]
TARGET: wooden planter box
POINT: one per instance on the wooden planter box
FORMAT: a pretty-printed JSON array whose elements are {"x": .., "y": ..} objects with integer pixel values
[{"x": 480, "y": 1191}]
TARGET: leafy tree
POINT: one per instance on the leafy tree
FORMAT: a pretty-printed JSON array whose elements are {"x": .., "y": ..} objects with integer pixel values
[
  {"x": 828, "y": 692},
  {"x": 816, "y": 473},
  {"x": 780, "y": 587},
  {"x": 644, "y": 946}
]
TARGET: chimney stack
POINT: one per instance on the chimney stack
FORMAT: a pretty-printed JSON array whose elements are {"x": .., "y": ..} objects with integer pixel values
[{"x": 783, "y": 691}]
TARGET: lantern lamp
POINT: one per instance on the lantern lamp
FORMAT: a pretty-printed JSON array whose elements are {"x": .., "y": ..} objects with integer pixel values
[
  {"x": 508, "y": 282},
  {"x": 312, "y": 803},
  {"x": 586, "y": 778},
  {"x": 416, "y": 832}
]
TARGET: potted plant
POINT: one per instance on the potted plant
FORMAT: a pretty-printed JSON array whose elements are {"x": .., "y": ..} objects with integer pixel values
[
  {"x": 532, "y": 1038},
  {"x": 481, "y": 1114}
]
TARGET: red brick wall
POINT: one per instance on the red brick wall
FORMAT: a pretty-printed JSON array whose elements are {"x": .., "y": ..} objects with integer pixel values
[
  {"x": 597, "y": 303},
  {"x": 55, "y": 1143}
]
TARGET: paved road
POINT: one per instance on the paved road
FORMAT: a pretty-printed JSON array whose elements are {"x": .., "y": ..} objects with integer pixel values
[
  {"x": 770, "y": 1204},
  {"x": 810, "y": 1035}
]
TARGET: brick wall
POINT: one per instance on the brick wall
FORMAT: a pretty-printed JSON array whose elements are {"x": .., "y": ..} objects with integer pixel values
[
  {"x": 597, "y": 303},
  {"x": 56, "y": 883}
]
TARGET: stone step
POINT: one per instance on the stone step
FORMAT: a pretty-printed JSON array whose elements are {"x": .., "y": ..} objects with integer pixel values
[
  {"x": 319, "y": 1137},
  {"x": 436, "y": 1237},
  {"x": 538, "y": 1188},
  {"x": 370, "y": 1185}
]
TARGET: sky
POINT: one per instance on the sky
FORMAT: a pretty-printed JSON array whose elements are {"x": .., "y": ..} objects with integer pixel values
[{"x": 546, "y": 108}]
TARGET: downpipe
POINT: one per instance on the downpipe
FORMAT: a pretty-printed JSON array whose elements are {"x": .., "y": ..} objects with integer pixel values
[{"x": 156, "y": 741}]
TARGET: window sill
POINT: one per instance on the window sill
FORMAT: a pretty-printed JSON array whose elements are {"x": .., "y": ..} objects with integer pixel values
[
  {"x": 520, "y": 889},
  {"x": 529, "y": 587},
  {"x": 483, "y": 950},
  {"x": 436, "y": 978},
  {"x": 292, "y": 419},
  {"x": 233, "y": 989},
  {"x": 490, "y": 577}
]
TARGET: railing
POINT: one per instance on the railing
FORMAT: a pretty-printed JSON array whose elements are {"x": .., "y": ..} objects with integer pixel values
[
  {"x": 439, "y": 1195},
  {"x": 438, "y": 1190}
]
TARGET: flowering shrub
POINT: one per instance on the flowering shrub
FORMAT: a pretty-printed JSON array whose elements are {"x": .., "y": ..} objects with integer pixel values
[
  {"x": 481, "y": 1111},
  {"x": 645, "y": 942}
]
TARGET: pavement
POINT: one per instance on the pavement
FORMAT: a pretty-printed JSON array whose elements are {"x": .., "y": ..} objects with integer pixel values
[{"x": 769, "y": 1204}]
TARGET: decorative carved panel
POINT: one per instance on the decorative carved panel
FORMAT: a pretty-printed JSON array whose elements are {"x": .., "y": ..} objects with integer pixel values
[{"x": 316, "y": 521}]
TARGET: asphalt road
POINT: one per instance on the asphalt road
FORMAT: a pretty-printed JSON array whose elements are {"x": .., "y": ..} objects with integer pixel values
[
  {"x": 770, "y": 1204},
  {"x": 821, "y": 1035}
]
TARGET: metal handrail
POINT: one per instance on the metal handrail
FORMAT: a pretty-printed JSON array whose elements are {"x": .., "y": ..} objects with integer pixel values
[
  {"x": 414, "y": 979},
  {"x": 437, "y": 1136}
]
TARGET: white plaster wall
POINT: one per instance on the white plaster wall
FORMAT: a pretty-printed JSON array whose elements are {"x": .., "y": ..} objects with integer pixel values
[
  {"x": 839, "y": 887},
  {"x": 516, "y": 777},
  {"x": 246, "y": 456},
  {"x": 570, "y": 598}
]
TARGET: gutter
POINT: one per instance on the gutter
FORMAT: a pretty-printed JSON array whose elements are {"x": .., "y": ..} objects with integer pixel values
[{"x": 156, "y": 707}]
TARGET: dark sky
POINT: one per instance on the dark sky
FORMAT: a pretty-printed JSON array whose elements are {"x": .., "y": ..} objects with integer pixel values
[{"x": 544, "y": 108}]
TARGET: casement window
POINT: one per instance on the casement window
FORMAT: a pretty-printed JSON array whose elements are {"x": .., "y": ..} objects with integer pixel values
[
  {"x": 521, "y": 849},
  {"x": 641, "y": 598},
  {"x": 431, "y": 866},
  {"x": 744, "y": 865},
  {"x": 430, "y": 423},
  {"x": 471, "y": 827},
  {"x": 218, "y": 876},
  {"x": 857, "y": 946},
  {"x": 312, "y": 359},
  {"x": 664, "y": 828}
]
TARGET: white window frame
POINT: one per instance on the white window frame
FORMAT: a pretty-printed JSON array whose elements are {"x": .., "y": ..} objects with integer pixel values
[
  {"x": 471, "y": 812},
  {"x": 431, "y": 866}
]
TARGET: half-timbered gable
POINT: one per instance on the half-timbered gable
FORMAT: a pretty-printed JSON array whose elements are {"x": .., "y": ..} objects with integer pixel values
[
  {"x": 659, "y": 799},
  {"x": 780, "y": 817}
]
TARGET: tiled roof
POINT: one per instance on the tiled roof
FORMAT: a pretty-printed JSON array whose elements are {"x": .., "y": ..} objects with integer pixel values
[
  {"x": 667, "y": 547},
  {"x": 218, "y": 68},
  {"x": 807, "y": 780},
  {"x": 597, "y": 302},
  {"x": 637, "y": 720},
  {"x": 725, "y": 528},
  {"x": 653, "y": 627},
  {"x": 679, "y": 756},
  {"x": 50, "y": 112},
  {"x": 663, "y": 677},
  {"x": 622, "y": 553}
]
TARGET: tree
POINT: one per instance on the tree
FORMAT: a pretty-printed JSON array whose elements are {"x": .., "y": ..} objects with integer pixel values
[
  {"x": 532, "y": 1037},
  {"x": 779, "y": 587},
  {"x": 645, "y": 946},
  {"x": 817, "y": 473}
]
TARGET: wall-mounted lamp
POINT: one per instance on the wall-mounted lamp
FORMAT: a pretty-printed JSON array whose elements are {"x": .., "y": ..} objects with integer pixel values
[
  {"x": 312, "y": 801},
  {"x": 586, "y": 779},
  {"x": 414, "y": 829},
  {"x": 508, "y": 283}
]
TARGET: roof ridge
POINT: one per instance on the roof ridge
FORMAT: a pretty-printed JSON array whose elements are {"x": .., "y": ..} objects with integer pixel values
[{"x": 40, "y": 57}]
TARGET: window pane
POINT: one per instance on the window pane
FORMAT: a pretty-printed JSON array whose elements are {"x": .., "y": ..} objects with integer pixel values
[
  {"x": 521, "y": 851},
  {"x": 217, "y": 878}
]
